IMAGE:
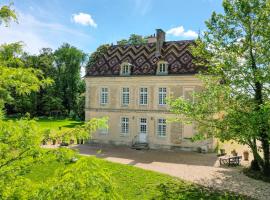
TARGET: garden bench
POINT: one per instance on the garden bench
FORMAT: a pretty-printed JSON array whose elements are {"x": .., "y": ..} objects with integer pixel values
[{"x": 230, "y": 160}]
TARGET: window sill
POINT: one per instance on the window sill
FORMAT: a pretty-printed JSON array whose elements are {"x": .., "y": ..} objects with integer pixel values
[
  {"x": 123, "y": 134},
  {"x": 103, "y": 134},
  {"x": 162, "y": 73},
  {"x": 161, "y": 137}
]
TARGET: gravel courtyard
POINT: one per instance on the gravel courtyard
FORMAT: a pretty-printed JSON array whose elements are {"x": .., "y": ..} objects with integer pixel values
[{"x": 203, "y": 169}]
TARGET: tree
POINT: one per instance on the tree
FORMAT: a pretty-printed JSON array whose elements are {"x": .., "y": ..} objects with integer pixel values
[
  {"x": 7, "y": 15},
  {"x": 20, "y": 149},
  {"x": 136, "y": 39},
  {"x": 234, "y": 53},
  {"x": 122, "y": 42},
  {"x": 68, "y": 63},
  {"x": 133, "y": 39}
]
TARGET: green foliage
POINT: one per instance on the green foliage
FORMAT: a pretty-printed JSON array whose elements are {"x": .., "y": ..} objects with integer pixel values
[
  {"x": 136, "y": 39},
  {"x": 82, "y": 180},
  {"x": 234, "y": 53},
  {"x": 69, "y": 83},
  {"x": 7, "y": 15},
  {"x": 20, "y": 140},
  {"x": 142, "y": 184},
  {"x": 133, "y": 40},
  {"x": 95, "y": 56}
]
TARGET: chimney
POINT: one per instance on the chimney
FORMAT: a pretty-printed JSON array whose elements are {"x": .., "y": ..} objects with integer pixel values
[{"x": 160, "y": 39}]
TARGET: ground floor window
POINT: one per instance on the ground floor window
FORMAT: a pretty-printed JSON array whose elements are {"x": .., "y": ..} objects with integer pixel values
[
  {"x": 124, "y": 125},
  {"x": 161, "y": 127},
  {"x": 143, "y": 125}
]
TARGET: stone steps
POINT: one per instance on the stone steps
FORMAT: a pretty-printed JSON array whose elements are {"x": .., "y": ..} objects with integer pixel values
[{"x": 140, "y": 146}]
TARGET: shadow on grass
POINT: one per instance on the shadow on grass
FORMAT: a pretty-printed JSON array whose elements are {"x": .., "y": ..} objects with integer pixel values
[{"x": 73, "y": 124}]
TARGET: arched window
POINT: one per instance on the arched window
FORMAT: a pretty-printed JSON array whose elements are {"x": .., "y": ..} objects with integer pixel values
[
  {"x": 125, "y": 69},
  {"x": 162, "y": 68}
]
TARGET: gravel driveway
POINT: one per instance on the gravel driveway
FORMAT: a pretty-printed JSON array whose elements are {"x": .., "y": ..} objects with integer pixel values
[{"x": 199, "y": 168}]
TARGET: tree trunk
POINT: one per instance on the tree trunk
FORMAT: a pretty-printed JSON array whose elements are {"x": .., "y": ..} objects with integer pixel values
[
  {"x": 258, "y": 162},
  {"x": 265, "y": 146},
  {"x": 260, "y": 101}
]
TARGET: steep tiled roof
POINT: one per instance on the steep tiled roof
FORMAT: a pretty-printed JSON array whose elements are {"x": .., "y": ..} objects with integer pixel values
[{"x": 143, "y": 59}]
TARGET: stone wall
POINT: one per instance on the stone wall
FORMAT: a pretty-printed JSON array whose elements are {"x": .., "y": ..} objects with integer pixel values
[{"x": 176, "y": 86}]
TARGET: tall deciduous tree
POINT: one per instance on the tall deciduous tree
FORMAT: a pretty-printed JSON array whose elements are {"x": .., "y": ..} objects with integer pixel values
[
  {"x": 68, "y": 62},
  {"x": 236, "y": 58}
]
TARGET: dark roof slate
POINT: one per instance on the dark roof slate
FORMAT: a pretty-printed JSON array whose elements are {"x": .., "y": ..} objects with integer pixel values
[{"x": 143, "y": 59}]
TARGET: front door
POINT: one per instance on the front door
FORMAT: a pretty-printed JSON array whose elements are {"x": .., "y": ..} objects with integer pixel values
[{"x": 143, "y": 130}]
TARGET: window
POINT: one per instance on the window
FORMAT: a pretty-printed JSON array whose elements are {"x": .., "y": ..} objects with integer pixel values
[
  {"x": 104, "y": 130},
  {"x": 143, "y": 96},
  {"x": 162, "y": 94},
  {"x": 161, "y": 129},
  {"x": 162, "y": 67},
  {"x": 124, "y": 125},
  {"x": 125, "y": 96},
  {"x": 104, "y": 96},
  {"x": 125, "y": 68},
  {"x": 143, "y": 125}
]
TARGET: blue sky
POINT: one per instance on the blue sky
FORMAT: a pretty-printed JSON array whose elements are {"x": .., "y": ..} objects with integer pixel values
[{"x": 87, "y": 24}]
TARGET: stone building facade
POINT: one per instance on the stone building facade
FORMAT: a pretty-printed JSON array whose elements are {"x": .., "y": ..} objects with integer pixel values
[{"x": 130, "y": 85}]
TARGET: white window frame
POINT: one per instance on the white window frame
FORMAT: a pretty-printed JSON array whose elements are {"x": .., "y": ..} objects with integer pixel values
[
  {"x": 162, "y": 67},
  {"x": 124, "y": 125},
  {"x": 125, "y": 96},
  {"x": 143, "y": 123},
  {"x": 162, "y": 95},
  {"x": 125, "y": 69},
  {"x": 143, "y": 96},
  {"x": 161, "y": 127},
  {"x": 104, "y": 96}
]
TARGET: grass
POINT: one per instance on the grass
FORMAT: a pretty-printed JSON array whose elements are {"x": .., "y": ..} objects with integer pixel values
[
  {"x": 54, "y": 124},
  {"x": 130, "y": 182},
  {"x": 135, "y": 183}
]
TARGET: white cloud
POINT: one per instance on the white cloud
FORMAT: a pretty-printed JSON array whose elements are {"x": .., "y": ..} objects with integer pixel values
[
  {"x": 37, "y": 34},
  {"x": 180, "y": 32},
  {"x": 84, "y": 19}
]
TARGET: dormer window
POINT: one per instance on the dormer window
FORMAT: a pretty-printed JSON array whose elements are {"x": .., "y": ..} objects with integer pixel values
[
  {"x": 162, "y": 68},
  {"x": 125, "y": 69}
]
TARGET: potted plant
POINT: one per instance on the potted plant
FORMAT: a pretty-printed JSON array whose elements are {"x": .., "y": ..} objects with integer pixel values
[
  {"x": 234, "y": 153},
  {"x": 246, "y": 155}
]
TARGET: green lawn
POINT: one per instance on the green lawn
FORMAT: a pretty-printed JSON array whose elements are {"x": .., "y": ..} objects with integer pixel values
[
  {"x": 135, "y": 183},
  {"x": 54, "y": 124},
  {"x": 130, "y": 182}
]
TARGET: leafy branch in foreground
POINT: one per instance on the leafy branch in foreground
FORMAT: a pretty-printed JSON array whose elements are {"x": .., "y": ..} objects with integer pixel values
[
  {"x": 7, "y": 15},
  {"x": 234, "y": 102}
]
